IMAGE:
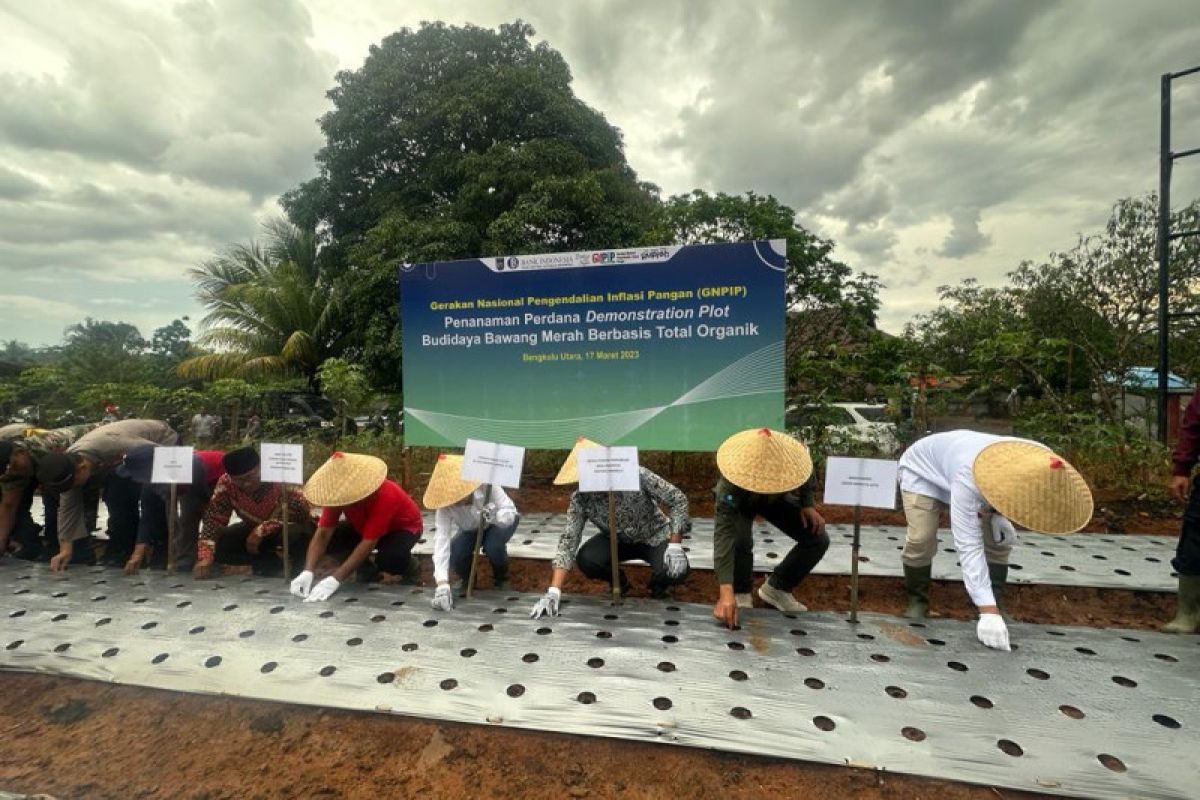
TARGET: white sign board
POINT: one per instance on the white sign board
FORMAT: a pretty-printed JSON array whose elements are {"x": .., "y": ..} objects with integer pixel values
[
  {"x": 492, "y": 463},
  {"x": 604, "y": 469},
  {"x": 860, "y": 482},
  {"x": 171, "y": 465},
  {"x": 283, "y": 463}
]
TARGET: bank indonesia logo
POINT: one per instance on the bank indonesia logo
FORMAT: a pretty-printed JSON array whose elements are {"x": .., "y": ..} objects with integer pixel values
[{"x": 514, "y": 262}]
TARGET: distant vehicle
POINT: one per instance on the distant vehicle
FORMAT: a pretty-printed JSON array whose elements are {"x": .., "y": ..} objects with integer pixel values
[
  {"x": 303, "y": 411},
  {"x": 861, "y": 424}
]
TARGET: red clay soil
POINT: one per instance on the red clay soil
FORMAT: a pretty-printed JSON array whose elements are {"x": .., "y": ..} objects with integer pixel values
[{"x": 78, "y": 739}]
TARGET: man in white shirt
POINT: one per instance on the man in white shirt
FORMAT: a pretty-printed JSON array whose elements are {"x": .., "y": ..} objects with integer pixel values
[
  {"x": 464, "y": 506},
  {"x": 985, "y": 481}
]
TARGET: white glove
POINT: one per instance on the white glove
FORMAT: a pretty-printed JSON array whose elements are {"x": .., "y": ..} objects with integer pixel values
[
  {"x": 302, "y": 584},
  {"x": 676, "y": 561},
  {"x": 443, "y": 599},
  {"x": 323, "y": 590},
  {"x": 992, "y": 631},
  {"x": 548, "y": 605},
  {"x": 488, "y": 514},
  {"x": 1003, "y": 532}
]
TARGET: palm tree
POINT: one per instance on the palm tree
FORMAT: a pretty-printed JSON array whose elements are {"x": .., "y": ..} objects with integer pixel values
[{"x": 271, "y": 312}]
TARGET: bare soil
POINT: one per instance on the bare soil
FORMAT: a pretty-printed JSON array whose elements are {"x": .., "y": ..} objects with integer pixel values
[{"x": 78, "y": 739}]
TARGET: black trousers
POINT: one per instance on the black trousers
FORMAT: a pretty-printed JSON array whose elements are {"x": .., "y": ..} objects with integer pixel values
[
  {"x": 595, "y": 561},
  {"x": 1187, "y": 552},
  {"x": 25, "y": 531},
  {"x": 122, "y": 496},
  {"x": 231, "y": 549},
  {"x": 782, "y": 511},
  {"x": 393, "y": 551}
]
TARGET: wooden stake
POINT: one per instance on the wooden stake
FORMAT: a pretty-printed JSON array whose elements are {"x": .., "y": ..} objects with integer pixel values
[
  {"x": 287, "y": 557},
  {"x": 487, "y": 490},
  {"x": 171, "y": 526},
  {"x": 612, "y": 546},
  {"x": 854, "y": 565}
]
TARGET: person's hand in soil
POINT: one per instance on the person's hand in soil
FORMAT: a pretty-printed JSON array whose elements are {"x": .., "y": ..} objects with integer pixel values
[
  {"x": 323, "y": 590},
  {"x": 302, "y": 584},
  {"x": 443, "y": 598},
  {"x": 992, "y": 631},
  {"x": 1181, "y": 486},
  {"x": 548, "y": 605},
  {"x": 134, "y": 563},
  {"x": 60, "y": 561},
  {"x": 726, "y": 609}
]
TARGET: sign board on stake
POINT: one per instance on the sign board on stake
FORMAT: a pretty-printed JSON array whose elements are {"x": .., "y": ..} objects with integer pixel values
[
  {"x": 492, "y": 463},
  {"x": 283, "y": 463},
  {"x": 867, "y": 482},
  {"x": 171, "y": 465},
  {"x": 608, "y": 469}
]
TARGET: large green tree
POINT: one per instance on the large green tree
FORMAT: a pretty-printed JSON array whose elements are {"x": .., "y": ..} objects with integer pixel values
[
  {"x": 271, "y": 310},
  {"x": 457, "y": 142}
]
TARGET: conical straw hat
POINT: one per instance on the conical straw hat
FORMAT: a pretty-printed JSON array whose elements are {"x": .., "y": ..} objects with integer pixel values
[
  {"x": 1033, "y": 487},
  {"x": 344, "y": 479},
  {"x": 764, "y": 461},
  {"x": 446, "y": 486},
  {"x": 569, "y": 472}
]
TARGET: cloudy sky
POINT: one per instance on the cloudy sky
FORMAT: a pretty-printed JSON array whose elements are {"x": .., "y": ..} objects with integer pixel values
[{"x": 933, "y": 141}]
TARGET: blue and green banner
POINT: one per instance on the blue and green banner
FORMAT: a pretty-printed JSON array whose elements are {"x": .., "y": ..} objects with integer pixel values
[{"x": 665, "y": 348}]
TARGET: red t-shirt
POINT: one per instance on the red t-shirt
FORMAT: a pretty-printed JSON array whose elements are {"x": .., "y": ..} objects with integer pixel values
[
  {"x": 214, "y": 466},
  {"x": 388, "y": 510}
]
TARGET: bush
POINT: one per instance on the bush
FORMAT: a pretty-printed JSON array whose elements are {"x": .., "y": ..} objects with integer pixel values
[{"x": 1115, "y": 459}]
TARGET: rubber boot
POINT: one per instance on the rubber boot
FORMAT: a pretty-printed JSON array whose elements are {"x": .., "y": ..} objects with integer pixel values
[
  {"x": 999, "y": 577},
  {"x": 500, "y": 576},
  {"x": 1187, "y": 616},
  {"x": 916, "y": 587}
]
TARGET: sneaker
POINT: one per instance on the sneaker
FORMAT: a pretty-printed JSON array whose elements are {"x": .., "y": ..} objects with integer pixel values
[
  {"x": 744, "y": 600},
  {"x": 780, "y": 599}
]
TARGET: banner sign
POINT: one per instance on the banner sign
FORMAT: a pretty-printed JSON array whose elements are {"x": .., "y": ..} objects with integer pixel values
[
  {"x": 860, "y": 482},
  {"x": 664, "y": 348}
]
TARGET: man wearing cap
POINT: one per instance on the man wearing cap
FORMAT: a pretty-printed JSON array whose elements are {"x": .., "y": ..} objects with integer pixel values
[
  {"x": 257, "y": 538},
  {"x": 19, "y": 458},
  {"x": 985, "y": 481},
  {"x": 379, "y": 515},
  {"x": 192, "y": 498},
  {"x": 768, "y": 473},
  {"x": 644, "y": 532},
  {"x": 465, "y": 506},
  {"x": 89, "y": 465}
]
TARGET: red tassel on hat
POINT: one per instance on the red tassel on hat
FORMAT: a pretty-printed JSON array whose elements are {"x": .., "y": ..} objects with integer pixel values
[
  {"x": 765, "y": 431},
  {"x": 337, "y": 455},
  {"x": 1056, "y": 463}
]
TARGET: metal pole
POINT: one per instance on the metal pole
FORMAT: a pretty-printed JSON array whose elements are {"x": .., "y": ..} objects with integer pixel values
[
  {"x": 171, "y": 526},
  {"x": 854, "y": 566},
  {"x": 287, "y": 553},
  {"x": 612, "y": 546},
  {"x": 1164, "y": 238},
  {"x": 487, "y": 490}
]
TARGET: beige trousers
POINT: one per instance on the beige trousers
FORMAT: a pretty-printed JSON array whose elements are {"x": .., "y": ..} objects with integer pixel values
[{"x": 921, "y": 541}]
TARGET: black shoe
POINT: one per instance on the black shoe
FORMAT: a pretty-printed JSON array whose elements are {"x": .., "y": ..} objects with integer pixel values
[
  {"x": 367, "y": 572},
  {"x": 660, "y": 592}
]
